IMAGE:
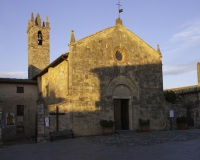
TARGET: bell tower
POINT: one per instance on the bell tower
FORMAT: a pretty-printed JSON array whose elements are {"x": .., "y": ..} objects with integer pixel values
[{"x": 38, "y": 45}]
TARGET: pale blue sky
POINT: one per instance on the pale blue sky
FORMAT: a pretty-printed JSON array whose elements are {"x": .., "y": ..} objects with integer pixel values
[{"x": 174, "y": 24}]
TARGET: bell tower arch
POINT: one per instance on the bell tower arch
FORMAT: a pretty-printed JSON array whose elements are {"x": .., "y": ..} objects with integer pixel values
[{"x": 38, "y": 45}]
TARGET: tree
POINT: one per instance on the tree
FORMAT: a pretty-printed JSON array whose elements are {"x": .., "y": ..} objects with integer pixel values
[{"x": 170, "y": 96}]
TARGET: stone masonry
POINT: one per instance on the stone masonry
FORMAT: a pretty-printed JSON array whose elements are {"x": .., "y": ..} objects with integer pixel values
[
  {"x": 190, "y": 94},
  {"x": 40, "y": 120},
  {"x": 38, "y": 54},
  {"x": 95, "y": 72},
  {"x": 1, "y": 144},
  {"x": 111, "y": 64}
]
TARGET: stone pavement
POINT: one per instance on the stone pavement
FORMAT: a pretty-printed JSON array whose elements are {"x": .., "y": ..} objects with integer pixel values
[
  {"x": 131, "y": 138},
  {"x": 155, "y": 145}
]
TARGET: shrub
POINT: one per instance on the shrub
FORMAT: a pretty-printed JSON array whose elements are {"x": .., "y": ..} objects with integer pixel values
[
  {"x": 106, "y": 123},
  {"x": 170, "y": 96},
  {"x": 181, "y": 120},
  {"x": 144, "y": 122}
]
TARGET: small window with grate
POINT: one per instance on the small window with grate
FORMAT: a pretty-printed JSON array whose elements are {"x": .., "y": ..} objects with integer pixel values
[
  {"x": 20, "y": 89},
  {"x": 20, "y": 110}
]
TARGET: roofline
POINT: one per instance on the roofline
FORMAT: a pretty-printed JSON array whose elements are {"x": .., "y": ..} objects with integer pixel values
[
  {"x": 53, "y": 64},
  {"x": 185, "y": 90},
  {"x": 18, "y": 81},
  {"x": 106, "y": 29},
  {"x": 92, "y": 35}
]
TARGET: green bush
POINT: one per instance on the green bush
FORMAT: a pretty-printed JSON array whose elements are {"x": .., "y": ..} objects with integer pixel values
[
  {"x": 170, "y": 96},
  {"x": 188, "y": 104},
  {"x": 181, "y": 120},
  {"x": 106, "y": 123},
  {"x": 144, "y": 122}
]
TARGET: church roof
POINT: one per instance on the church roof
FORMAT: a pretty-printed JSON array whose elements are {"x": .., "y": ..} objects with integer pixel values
[
  {"x": 53, "y": 64},
  {"x": 19, "y": 81}
]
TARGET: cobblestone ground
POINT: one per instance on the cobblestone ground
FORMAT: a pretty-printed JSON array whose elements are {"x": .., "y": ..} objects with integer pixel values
[
  {"x": 154, "y": 145},
  {"x": 129, "y": 138}
]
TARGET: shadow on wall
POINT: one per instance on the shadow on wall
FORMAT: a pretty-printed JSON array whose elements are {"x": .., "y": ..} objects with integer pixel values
[
  {"x": 144, "y": 81},
  {"x": 91, "y": 97},
  {"x": 32, "y": 71}
]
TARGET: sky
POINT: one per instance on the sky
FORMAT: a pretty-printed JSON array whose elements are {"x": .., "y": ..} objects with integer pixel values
[{"x": 173, "y": 24}]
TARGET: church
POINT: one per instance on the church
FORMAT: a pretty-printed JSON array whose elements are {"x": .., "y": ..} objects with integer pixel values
[{"x": 119, "y": 78}]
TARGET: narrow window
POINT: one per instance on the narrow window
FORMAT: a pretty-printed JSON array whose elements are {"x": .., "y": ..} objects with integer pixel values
[
  {"x": 20, "y": 110},
  {"x": 20, "y": 89},
  {"x": 39, "y": 38}
]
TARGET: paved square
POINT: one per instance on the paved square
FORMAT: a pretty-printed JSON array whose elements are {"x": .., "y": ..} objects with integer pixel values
[{"x": 155, "y": 145}]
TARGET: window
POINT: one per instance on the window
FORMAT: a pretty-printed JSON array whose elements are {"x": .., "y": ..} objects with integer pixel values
[
  {"x": 39, "y": 38},
  {"x": 20, "y": 110},
  {"x": 118, "y": 56},
  {"x": 20, "y": 89}
]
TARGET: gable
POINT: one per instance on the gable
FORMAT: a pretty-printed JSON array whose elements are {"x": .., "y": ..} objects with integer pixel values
[{"x": 104, "y": 44}]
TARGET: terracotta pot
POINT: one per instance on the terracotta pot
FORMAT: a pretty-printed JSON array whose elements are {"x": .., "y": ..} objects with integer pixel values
[
  {"x": 109, "y": 130},
  {"x": 182, "y": 126},
  {"x": 144, "y": 128}
]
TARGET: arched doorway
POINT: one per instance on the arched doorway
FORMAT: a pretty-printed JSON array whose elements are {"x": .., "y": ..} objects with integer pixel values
[{"x": 121, "y": 100}]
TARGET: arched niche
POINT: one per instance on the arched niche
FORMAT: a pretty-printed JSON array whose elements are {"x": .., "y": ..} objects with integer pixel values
[{"x": 121, "y": 92}]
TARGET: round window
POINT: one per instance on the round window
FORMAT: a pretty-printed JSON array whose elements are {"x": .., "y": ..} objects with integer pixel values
[{"x": 118, "y": 56}]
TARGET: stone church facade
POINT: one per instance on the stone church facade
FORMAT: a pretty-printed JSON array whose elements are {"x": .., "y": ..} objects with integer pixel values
[{"x": 112, "y": 74}]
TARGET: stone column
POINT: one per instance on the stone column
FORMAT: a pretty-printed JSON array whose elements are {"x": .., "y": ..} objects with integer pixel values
[
  {"x": 1, "y": 143},
  {"x": 40, "y": 120}
]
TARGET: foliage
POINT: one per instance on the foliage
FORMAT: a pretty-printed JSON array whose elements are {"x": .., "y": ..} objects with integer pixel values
[
  {"x": 170, "y": 96},
  {"x": 144, "y": 122},
  {"x": 189, "y": 104},
  {"x": 106, "y": 123},
  {"x": 181, "y": 120}
]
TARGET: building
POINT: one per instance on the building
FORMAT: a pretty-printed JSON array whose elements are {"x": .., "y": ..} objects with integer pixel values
[
  {"x": 112, "y": 74},
  {"x": 190, "y": 101},
  {"x": 18, "y": 101}
]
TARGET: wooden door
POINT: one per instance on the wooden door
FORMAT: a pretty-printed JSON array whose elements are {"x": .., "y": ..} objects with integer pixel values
[
  {"x": 117, "y": 114},
  {"x": 125, "y": 114}
]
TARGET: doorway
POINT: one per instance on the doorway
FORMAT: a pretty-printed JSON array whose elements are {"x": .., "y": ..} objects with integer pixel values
[{"x": 121, "y": 114}]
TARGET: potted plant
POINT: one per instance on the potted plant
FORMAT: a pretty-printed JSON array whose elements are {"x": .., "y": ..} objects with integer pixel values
[
  {"x": 181, "y": 122},
  {"x": 144, "y": 125},
  {"x": 107, "y": 126}
]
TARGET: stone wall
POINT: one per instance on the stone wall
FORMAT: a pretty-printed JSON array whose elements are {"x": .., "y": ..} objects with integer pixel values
[
  {"x": 197, "y": 117},
  {"x": 195, "y": 108},
  {"x": 1, "y": 144},
  {"x": 178, "y": 110},
  {"x": 38, "y": 55},
  {"x": 94, "y": 65},
  {"x": 10, "y": 98},
  {"x": 55, "y": 88}
]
